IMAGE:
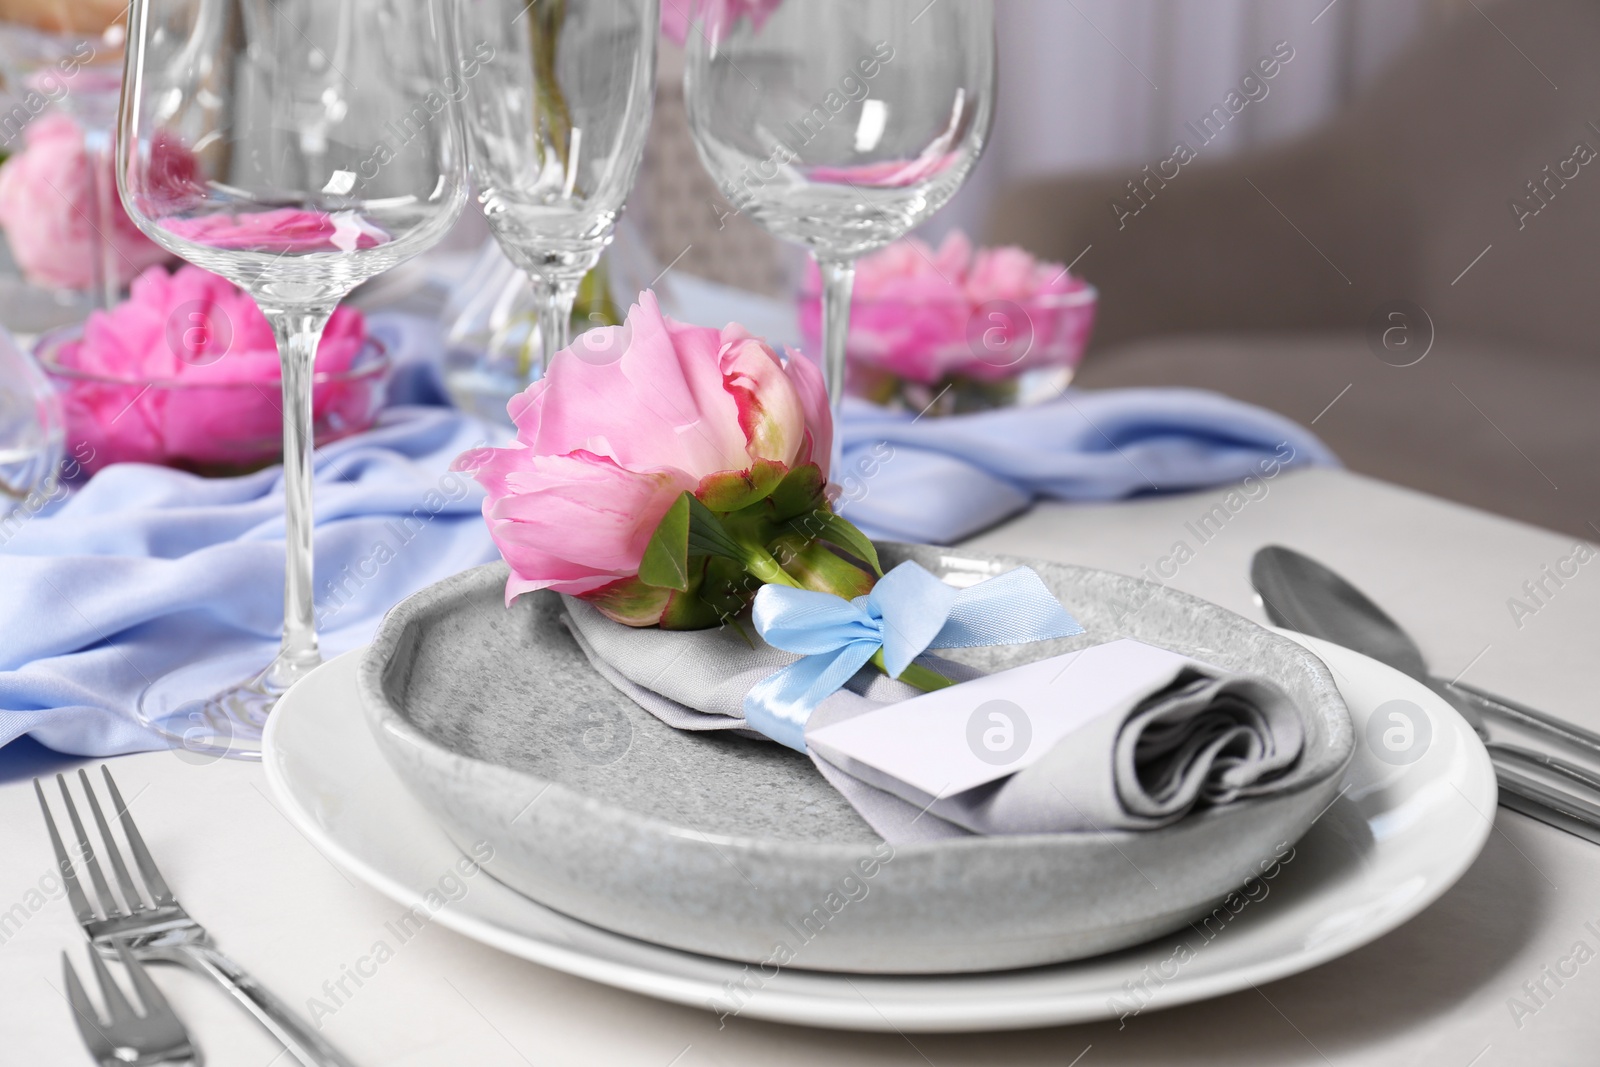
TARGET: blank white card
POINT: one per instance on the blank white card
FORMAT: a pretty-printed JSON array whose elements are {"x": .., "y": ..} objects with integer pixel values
[{"x": 952, "y": 740}]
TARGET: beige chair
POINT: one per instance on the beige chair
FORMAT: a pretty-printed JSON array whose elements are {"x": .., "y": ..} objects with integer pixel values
[{"x": 1262, "y": 275}]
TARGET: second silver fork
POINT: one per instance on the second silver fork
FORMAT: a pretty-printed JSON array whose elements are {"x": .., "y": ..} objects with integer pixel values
[
  {"x": 159, "y": 929},
  {"x": 123, "y": 1037}
]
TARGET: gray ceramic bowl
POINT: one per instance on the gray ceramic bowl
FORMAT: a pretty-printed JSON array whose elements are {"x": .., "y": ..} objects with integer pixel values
[{"x": 737, "y": 848}]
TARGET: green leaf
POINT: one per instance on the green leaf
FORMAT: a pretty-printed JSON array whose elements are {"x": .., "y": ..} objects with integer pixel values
[
  {"x": 688, "y": 609},
  {"x": 666, "y": 558},
  {"x": 738, "y": 628},
  {"x": 719, "y": 590},
  {"x": 839, "y": 531},
  {"x": 728, "y": 587},
  {"x": 802, "y": 490},
  {"x": 707, "y": 536}
]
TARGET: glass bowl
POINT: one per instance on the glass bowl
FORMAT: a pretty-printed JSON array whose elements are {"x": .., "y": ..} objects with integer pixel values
[
  {"x": 215, "y": 428},
  {"x": 950, "y": 356}
]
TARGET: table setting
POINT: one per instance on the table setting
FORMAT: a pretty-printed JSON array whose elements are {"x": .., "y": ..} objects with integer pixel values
[{"x": 505, "y": 655}]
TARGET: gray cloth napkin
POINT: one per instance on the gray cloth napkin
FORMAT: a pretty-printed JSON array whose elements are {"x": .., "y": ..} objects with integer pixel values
[{"x": 1205, "y": 737}]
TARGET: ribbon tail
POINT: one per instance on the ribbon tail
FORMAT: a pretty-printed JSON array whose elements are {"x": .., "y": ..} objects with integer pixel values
[
  {"x": 1009, "y": 609},
  {"x": 780, "y": 704}
]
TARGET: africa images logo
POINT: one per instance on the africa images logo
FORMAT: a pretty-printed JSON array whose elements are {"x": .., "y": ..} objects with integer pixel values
[{"x": 999, "y": 732}]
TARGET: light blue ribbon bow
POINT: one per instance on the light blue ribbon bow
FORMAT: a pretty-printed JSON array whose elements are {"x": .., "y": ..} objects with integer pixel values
[{"x": 907, "y": 612}]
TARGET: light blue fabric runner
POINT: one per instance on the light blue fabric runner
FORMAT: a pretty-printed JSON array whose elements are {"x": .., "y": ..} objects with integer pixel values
[
  {"x": 938, "y": 480},
  {"x": 145, "y": 570},
  {"x": 908, "y": 612}
]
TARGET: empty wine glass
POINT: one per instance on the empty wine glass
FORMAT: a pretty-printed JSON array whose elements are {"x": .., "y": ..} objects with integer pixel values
[
  {"x": 840, "y": 125},
  {"x": 297, "y": 148},
  {"x": 556, "y": 131}
]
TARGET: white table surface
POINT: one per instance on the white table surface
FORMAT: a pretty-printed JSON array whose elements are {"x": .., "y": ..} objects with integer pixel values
[{"x": 1436, "y": 991}]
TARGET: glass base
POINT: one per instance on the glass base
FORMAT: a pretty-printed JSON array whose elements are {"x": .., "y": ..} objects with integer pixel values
[{"x": 227, "y": 724}]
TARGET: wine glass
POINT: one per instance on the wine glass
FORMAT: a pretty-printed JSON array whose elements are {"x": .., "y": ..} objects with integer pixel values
[
  {"x": 297, "y": 148},
  {"x": 556, "y": 131},
  {"x": 840, "y": 125}
]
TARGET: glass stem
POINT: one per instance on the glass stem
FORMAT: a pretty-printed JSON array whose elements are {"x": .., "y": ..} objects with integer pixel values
[
  {"x": 838, "y": 282},
  {"x": 103, "y": 286},
  {"x": 297, "y": 330},
  {"x": 553, "y": 299}
]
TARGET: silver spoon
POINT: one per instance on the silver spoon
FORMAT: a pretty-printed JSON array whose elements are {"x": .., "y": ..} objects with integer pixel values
[{"x": 1300, "y": 594}]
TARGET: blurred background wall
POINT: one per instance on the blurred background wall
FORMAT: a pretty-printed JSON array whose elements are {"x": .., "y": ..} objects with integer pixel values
[
  {"x": 1090, "y": 84},
  {"x": 1395, "y": 245}
]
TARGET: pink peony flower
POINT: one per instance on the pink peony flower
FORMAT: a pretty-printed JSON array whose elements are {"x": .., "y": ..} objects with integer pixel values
[
  {"x": 47, "y": 211},
  {"x": 715, "y": 16},
  {"x": 280, "y": 230},
  {"x": 924, "y": 315},
  {"x": 622, "y": 424},
  {"x": 185, "y": 372}
]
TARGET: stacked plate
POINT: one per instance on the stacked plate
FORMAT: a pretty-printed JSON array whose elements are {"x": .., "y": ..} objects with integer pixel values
[{"x": 723, "y": 872}]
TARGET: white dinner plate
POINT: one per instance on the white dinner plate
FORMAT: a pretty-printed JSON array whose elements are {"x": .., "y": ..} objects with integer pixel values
[{"x": 1415, "y": 808}]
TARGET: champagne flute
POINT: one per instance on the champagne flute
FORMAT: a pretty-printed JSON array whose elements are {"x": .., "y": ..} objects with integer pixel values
[
  {"x": 297, "y": 148},
  {"x": 840, "y": 125},
  {"x": 556, "y": 134}
]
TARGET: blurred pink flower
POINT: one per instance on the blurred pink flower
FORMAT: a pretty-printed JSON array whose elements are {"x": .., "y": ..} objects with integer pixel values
[
  {"x": 715, "y": 16},
  {"x": 47, "y": 211},
  {"x": 280, "y": 230},
  {"x": 622, "y": 424},
  {"x": 186, "y": 372},
  {"x": 925, "y": 314}
]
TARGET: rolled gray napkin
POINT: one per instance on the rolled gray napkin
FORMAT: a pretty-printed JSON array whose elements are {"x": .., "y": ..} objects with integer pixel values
[{"x": 1201, "y": 736}]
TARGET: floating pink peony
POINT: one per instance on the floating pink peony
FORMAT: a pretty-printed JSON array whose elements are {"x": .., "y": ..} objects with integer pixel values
[
  {"x": 931, "y": 316},
  {"x": 627, "y": 423},
  {"x": 185, "y": 372},
  {"x": 279, "y": 230},
  {"x": 716, "y": 16},
  {"x": 47, "y": 211}
]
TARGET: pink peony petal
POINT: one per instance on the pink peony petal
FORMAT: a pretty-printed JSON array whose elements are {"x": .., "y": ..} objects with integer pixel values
[
  {"x": 46, "y": 210},
  {"x": 770, "y": 411},
  {"x": 654, "y": 401},
  {"x": 572, "y": 523},
  {"x": 813, "y": 394}
]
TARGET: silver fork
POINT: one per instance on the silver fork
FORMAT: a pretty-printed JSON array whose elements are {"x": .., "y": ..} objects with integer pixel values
[
  {"x": 161, "y": 930},
  {"x": 157, "y": 1036}
]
